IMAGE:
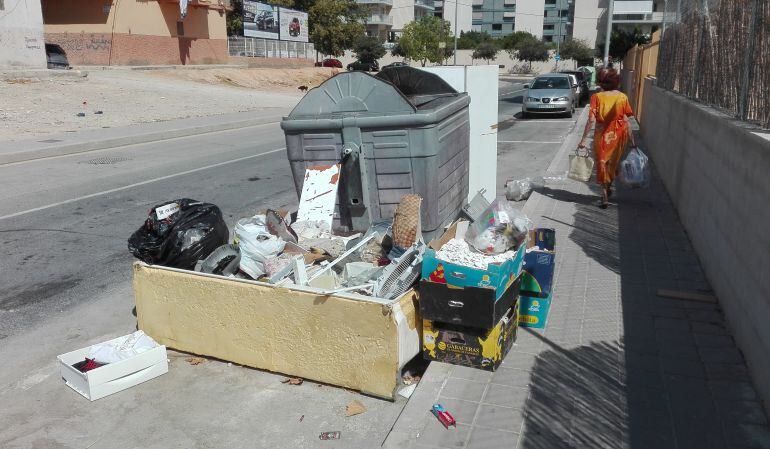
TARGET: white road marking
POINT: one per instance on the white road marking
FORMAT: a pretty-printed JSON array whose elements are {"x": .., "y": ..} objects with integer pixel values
[
  {"x": 527, "y": 141},
  {"x": 137, "y": 184},
  {"x": 120, "y": 147}
]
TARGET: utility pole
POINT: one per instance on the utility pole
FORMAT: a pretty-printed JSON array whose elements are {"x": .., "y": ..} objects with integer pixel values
[
  {"x": 455, "y": 27},
  {"x": 558, "y": 42},
  {"x": 610, "y": 13}
]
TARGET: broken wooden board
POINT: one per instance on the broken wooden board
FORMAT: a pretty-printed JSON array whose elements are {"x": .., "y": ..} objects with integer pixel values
[
  {"x": 319, "y": 194},
  {"x": 687, "y": 296}
]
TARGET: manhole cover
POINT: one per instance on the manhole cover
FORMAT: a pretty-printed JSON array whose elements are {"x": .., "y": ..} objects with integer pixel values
[
  {"x": 50, "y": 141},
  {"x": 108, "y": 160}
]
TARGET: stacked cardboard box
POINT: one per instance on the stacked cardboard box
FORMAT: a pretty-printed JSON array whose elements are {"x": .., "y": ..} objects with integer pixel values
[
  {"x": 470, "y": 315},
  {"x": 537, "y": 279}
]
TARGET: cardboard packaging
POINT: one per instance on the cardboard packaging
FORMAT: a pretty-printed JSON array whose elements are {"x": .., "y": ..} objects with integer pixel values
[
  {"x": 537, "y": 273},
  {"x": 497, "y": 277},
  {"x": 469, "y": 306},
  {"x": 533, "y": 311},
  {"x": 114, "y": 377},
  {"x": 468, "y": 346}
]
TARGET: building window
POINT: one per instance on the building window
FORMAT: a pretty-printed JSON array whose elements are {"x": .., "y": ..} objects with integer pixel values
[
  {"x": 548, "y": 38},
  {"x": 550, "y": 2},
  {"x": 548, "y": 27},
  {"x": 497, "y": 27},
  {"x": 564, "y": 13}
]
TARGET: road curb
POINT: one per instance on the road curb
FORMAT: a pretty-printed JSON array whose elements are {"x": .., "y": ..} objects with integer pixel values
[{"x": 156, "y": 136}]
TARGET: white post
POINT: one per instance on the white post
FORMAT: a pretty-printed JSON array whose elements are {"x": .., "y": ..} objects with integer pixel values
[
  {"x": 455, "y": 27},
  {"x": 610, "y": 12}
]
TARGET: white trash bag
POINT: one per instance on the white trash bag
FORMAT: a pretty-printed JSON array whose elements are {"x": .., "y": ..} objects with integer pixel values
[
  {"x": 257, "y": 245},
  {"x": 635, "y": 169},
  {"x": 518, "y": 189},
  {"x": 121, "y": 349}
]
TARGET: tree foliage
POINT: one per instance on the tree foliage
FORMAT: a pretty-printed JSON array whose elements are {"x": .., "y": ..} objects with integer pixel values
[
  {"x": 368, "y": 49},
  {"x": 426, "y": 40},
  {"x": 621, "y": 41},
  {"x": 486, "y": 51},
  {"x": 531, "y": 49},
  {"x": 335, "y": 25},
  {"x": 576, "y": 49},
  {"x": 234, "y": 18},
  {"x": 470, "y": 40},
  {"x": 510, "y": 41}
]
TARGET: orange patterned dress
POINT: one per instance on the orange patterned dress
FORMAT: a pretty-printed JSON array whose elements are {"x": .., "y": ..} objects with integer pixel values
[{"x": 610, "y": 110}]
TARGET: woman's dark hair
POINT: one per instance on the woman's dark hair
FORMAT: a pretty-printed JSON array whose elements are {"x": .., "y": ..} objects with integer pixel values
[{"x": 609, "y": 79}]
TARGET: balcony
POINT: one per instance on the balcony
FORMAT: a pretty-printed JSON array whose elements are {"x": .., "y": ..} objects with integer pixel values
[
  {"x": 478, "y": 2},
  {"x": 375, "y": 2},
  {"x": 425, "y": 4},
  {"x": 379, "y": 19},
  {"x": 634, "y": 7},
  {"x": 651, "y": 18}
]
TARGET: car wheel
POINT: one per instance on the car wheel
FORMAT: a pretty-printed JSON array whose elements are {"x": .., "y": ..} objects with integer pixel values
[
  {"x": 525, "y": 114},
  {"x": 569, "y": 113}
]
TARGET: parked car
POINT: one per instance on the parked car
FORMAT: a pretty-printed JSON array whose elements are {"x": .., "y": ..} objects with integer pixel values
[
  {"x": 584, "y": 90},
  {"x": 265, "y": 20},
  {"x": 372, "y": 66},
  {"x": 395, "y": 64},
  {"x": 550, "y": 94},
  {"x": 329, "y": 62},
  {"x": 294, "y": 27},
  {"x": 57, "y": 57}
]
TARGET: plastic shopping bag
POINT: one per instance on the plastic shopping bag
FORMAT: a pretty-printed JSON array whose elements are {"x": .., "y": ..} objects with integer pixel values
[
  {"x": 257, "y": 245},
  {"x": 500, "y": 228},
  {"x": 580, "y": 166},
  {"x": 122, "y": 348},
  {"x": 635, "y": 169}
]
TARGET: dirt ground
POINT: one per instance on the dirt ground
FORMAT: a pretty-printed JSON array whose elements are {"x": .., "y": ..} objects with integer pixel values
[{"x": 33, "y": 107}]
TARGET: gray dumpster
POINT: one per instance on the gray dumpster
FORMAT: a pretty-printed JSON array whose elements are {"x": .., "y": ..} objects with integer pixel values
[{"x": 390, "y": 142}]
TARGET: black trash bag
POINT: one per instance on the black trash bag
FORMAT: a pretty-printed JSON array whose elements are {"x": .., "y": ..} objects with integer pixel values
[
  {"x": 179, "y": 233},
  {"x": 414, "y": 82}
]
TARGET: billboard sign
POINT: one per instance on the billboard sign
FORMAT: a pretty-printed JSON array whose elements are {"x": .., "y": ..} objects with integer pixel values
[
  {"x": 260, "y": 20},
  {"x": 293, "y": 25}
]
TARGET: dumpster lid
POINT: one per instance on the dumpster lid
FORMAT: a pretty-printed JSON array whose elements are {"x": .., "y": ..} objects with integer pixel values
[
  {"x": 355, "y": 93},
  {"x": 414, "y": 82}
]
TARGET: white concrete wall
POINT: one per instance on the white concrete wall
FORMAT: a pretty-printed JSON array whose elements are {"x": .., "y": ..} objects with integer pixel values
[
  {"x": 716, "y": 171},
  {"x": 529, "y": 16},
  {"x": 21, "y": 35},
  {"x": 464, "y": 14},
  {"x": 464, "y": 58},
  {"x": 587, "y": 25}
]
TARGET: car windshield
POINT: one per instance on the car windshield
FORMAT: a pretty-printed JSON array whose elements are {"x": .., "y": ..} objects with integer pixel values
[{"x": 550, "y": 83}]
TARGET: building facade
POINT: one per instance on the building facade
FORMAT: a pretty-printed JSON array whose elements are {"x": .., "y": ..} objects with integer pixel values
[
  {"x": 387, "y": 18},
  {"x": 21, "y": 35},
  {"x": 137, "y": 32},
  {"x": 558, "y": 20}
]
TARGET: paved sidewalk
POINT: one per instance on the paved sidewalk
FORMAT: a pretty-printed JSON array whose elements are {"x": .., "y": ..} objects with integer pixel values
[{"x": 616, "y": 366}]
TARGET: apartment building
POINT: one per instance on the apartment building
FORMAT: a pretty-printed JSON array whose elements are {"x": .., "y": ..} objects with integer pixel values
[
  {"x": 557, "y": 20},
  {"x": 388, "y": 17},
  {"x": 459, "y": 11}
]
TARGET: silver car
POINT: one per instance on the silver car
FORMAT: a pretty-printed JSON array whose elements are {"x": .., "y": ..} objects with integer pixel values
[{"x": 550, "y": 94}]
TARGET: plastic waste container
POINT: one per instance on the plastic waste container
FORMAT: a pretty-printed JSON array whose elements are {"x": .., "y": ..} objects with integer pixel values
[{"x": 403, "y": 131}]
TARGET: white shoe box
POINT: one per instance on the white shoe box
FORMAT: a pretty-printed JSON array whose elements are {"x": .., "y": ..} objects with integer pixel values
[{"x": 111, "y": 378}]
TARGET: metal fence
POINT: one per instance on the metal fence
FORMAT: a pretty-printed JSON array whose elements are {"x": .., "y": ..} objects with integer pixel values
[
  {"x": 268, "y": 48},
  {"x": 719, "y": 54}
]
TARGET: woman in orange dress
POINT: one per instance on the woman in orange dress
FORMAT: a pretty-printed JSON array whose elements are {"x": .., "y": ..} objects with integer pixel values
[{"x": 610, "y": 111}]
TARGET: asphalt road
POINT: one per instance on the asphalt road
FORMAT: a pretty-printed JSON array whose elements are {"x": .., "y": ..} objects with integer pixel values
[{"x": 65, "y": 273}]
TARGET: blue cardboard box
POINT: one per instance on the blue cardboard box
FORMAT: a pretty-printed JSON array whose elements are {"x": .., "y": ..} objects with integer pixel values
[
  {"x": 533, "y": 311},
  {"x": 537, "y": 273},
  {"x": 497, "y": 277}
]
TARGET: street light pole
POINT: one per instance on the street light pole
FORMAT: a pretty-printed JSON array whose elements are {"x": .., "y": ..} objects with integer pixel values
[
  {"x": 610, "y": 13},
  {"x": 558, "y": 42},
  {"x": 455, "y": 27}
]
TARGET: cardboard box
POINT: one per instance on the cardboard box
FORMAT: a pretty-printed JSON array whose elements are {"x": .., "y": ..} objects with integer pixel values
[
  {"x": 497, "y": 277},
  {"x": 468, "y": 346},
  {"x": 469, "y": 306},
  {"x": 533, "y": 310},
  {"x": 537, "y": 273},
  {"x": 108, "y": 379}
]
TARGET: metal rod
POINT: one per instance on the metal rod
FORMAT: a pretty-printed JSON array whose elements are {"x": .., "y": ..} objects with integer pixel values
[{"x": 610, "y": 13}]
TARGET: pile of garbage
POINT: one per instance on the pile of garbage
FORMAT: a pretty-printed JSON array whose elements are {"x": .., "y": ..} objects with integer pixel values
[
  {"x": 270, "y": 247},
  {"x": 302, "y": 249}
]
